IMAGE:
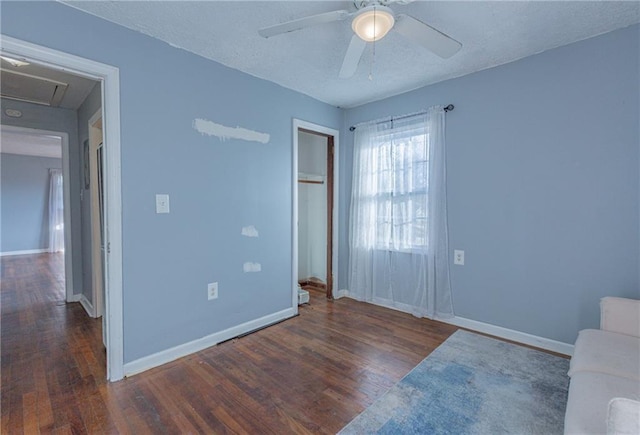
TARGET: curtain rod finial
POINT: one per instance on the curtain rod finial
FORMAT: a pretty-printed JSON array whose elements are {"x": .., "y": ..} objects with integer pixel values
[{"x": 449, "y": 108}]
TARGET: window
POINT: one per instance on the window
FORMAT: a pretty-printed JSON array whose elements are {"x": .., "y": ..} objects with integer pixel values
[
  {"x": 393, "y": 173},
  {"x": 398, "y": 242}
]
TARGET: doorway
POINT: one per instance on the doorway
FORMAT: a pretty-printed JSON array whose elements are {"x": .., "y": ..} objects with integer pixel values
[
  {"x": 315, "y": 171},
  {"x": 39, "y": 152},
  {"x": 108, "y": 77}
]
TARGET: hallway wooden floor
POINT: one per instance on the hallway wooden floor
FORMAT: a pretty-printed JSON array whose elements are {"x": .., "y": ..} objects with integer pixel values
[{"x": 310, "y": 374}]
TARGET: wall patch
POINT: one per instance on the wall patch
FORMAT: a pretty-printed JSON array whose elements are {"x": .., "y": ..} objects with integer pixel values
[
  {"x": 251, "y": 267},
  {"x": 223, "y": 132},
  {"x": 249, "y": 231}
]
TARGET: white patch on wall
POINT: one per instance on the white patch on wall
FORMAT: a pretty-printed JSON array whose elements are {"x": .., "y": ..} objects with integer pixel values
[
  {"x": 251, "y": 267},
  {"x": 223, "y": 132},
  {"x": 249, "y": 231}
]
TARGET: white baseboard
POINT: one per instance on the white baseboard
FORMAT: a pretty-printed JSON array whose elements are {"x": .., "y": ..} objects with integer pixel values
[
  {"x": 511, "y": 334},
  {"x": 88, "y": 306},
  {"x": 168, "y": 355},
  {"x": 25, "y": 252},
  {"x": 487, "y": 328}
]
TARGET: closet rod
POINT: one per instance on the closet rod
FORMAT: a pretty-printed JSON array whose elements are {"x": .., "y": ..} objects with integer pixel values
[
  {"x": 310, "y": 182},
  {"x": 448, "y": 108}
]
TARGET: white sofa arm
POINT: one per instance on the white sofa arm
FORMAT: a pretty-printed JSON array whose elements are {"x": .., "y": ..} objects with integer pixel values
[{"x": 620, "y": 315}]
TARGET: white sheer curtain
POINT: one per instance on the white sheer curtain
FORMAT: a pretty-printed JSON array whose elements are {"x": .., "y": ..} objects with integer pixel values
[
  {"x": 56, "y": 211},
  {"x": 398, "y": 221}
]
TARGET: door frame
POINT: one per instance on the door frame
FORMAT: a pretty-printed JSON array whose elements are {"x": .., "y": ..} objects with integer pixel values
[
  {"x": 332, "y": 226},
  {"x": 94, "y": 213},
  {"x": 109, "y": 77}
]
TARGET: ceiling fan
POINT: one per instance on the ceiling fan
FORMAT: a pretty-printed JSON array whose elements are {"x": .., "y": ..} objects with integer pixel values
[{"x": 371, "y": 21}]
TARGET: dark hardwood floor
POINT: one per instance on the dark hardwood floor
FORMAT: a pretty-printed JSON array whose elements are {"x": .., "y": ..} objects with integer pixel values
[{"x": 309, "y": 374}]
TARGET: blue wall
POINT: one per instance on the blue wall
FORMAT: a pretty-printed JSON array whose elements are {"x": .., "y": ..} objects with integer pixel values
[
  {"x": 24, "y": 192},
  {"x": 542, "y": 183},
  {"x": 215, "y": 187}
]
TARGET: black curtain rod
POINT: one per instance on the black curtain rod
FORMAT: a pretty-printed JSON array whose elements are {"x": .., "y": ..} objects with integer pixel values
[{"x": 448, "y": 108}]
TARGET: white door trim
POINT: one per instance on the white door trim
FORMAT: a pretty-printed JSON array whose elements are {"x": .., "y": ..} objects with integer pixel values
[
  {"x": 110, "y": 81},
  {"x": 298, "y": 124},
  {"x": 66, "y": 198},
  {"x": 94, "y": 211}
]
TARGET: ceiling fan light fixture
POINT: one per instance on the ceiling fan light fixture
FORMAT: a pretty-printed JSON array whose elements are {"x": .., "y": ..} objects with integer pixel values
[{"x": 373, "y": 22}]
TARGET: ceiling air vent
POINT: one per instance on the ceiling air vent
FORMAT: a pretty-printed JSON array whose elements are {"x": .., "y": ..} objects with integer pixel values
[{"x": 32, "y": 89}]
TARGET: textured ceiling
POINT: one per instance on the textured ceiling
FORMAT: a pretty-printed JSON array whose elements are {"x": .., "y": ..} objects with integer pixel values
[{"x": 308, "y": 61}]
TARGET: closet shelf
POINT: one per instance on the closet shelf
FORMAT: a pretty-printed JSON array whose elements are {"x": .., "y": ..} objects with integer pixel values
[{"x": 310, "y": 178}]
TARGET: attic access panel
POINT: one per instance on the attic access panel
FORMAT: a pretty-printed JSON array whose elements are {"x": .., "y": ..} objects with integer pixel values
[{"x": 31, "y": 89}]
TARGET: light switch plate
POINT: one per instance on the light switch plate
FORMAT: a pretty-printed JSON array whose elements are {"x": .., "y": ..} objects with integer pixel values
[{"x": 162, "y": 203}]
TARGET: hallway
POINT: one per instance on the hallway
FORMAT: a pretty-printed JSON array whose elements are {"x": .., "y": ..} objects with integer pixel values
[{"x": 52, "y": 353}]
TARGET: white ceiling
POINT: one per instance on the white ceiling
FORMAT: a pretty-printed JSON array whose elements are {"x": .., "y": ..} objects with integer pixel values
[
  {"x": 29, "y": 144},
  {"x": 308, "y": 61}
]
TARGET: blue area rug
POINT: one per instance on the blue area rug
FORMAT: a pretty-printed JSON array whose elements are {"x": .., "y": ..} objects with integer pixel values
[{"x": 472, "y": 384}]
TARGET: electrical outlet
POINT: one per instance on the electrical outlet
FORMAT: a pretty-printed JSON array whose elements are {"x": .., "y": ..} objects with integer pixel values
[
  {"x": 212, "y": 290},
  {"x": 458, "y": 257}
]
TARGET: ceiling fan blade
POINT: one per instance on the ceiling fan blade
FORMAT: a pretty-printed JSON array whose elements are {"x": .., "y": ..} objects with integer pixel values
[
  {"x": 425, "y": 35},
  {"x": 352, "y": 58},
  {"x": 291, "y": 26}
]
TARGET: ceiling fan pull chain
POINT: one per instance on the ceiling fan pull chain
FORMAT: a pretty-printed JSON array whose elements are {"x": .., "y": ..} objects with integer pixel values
[
  {"x": 373, "y": 61},
  {"x": 373, "y": 57}
]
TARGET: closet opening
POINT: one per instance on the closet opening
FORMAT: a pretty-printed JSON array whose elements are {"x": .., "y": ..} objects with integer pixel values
[{"x": 315, "y": 211}]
